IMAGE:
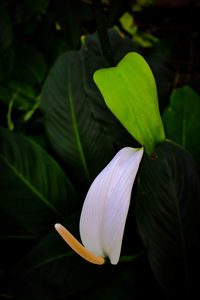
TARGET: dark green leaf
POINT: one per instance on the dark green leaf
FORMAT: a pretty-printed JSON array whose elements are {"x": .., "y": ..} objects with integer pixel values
[
  {"x": 168, "y": 214},
  {"x": 114, "y": 12},
  {"x": 80, "y": 127},
  {"x": 39, "y": 6},
  {"x": 70, "y": 121},
  {"x": 23, "y": 12},
  {"x": 22, "y": 95},
  {"x": 181, "y": 120},
  {"x": 68, "y": 14},
  {"x": 86, "y": 11},
  {"x": 6, "y": 39},
  {"x": 93, "y": 59},
  {"x": 53, "y": 270},
  {"x": 52, "y": 41},
  {"x": 29, "y": 66},
  {"x": 118, "y": 288},
  {"x": 4, "y": 94},
  {"x": 163, "y": 75},
  {"x": 34, "y": 189},
  {"x": 135, "y": 281}
]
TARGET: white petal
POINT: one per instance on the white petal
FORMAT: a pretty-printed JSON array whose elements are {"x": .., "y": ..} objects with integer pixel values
[
  {"x": 106, "y": 205},
  {"x": 117, "y": 208}
]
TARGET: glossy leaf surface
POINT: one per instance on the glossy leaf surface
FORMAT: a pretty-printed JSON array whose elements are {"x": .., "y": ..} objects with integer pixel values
[
  {"x": 129, "y": 91},
  {"x": 167, "y": 211}
]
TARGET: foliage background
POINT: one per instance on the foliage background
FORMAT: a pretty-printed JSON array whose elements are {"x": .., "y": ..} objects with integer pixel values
[{"x": 43, "y": 106}]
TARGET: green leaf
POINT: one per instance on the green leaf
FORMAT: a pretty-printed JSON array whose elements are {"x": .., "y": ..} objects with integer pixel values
[
  {"x": 129, "y": 91},
  {"x": 78, "y": 123},
  {"x": 134, "y": 281},
  {"x": 52, "y": 270},
  {"x": 127, "y": 22},
  {"x": 181, "y": 120},
  {"x": 39, "y": 6},
  {"x": 168, "y": 213},
  {"x": 64, "y": 272},
  {"x": 6, "y": 39},
  {"x": 93, "y": 59},
  {"x": 81, "y": 129},
  {"x": 122, "y": 286},
  {"x": 21, "y": 97},
  {"x": 70, "y": 122},
  {"x": 29, "y": 65},
  {"x": 145, "y": 40},
  {"x": 24, "y": 95},
  {"x": 34, "y": 189},
  {"x": 68, "y": 15},
  {"x": 52, "y": 41}
]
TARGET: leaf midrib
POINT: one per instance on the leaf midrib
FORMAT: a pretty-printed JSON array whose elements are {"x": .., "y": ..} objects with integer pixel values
[
  {"x": 29, "y": 185},
  {"x": 76, "y": 130}
]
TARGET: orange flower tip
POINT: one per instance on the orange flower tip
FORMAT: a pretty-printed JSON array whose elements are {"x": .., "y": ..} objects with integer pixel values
[{"x": 78, "y": 247}]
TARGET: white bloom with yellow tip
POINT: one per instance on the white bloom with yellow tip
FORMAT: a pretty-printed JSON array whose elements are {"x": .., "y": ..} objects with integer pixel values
[{"x": 105, "y": 209}]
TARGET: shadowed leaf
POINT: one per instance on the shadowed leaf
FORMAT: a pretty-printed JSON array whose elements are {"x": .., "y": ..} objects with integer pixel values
[
  {"x": 34, "y": 189},
  {"x": 168, "y": 213},
  {"x": 181, "y": 120}
]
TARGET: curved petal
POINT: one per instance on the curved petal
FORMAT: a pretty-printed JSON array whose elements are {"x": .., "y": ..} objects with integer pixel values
[
  {"x": 106, "y": 205},
  {"x": 117, "y": 208}
]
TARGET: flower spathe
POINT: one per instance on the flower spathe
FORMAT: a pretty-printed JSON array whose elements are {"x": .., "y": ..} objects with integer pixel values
[{"x": 105, "y": 209}]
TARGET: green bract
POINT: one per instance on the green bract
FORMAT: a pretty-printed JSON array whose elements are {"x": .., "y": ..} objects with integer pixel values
[{"x": 129, "y": 90}]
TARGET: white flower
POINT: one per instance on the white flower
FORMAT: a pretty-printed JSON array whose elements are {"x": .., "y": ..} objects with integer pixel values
[{"x": 105, "y": 209}]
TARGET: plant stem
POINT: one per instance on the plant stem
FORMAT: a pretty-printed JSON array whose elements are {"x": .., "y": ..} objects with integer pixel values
[
  {"x": 101, "y": 24},
  {"x": 10, "y": 106}
]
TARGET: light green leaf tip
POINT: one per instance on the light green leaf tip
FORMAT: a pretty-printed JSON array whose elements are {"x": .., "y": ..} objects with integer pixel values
[{"x": 129, "y": 90}]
